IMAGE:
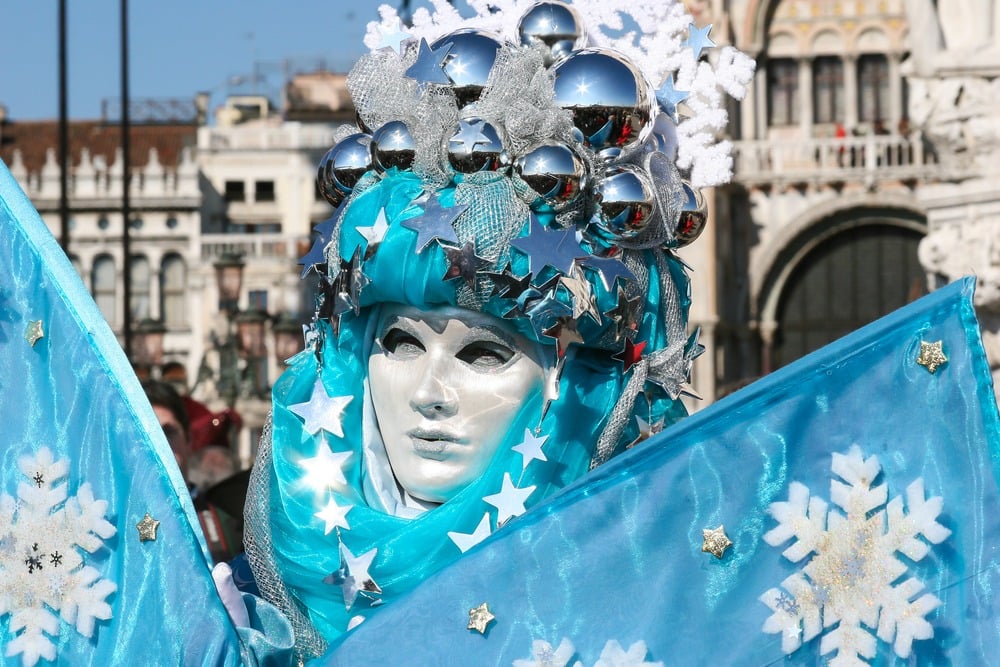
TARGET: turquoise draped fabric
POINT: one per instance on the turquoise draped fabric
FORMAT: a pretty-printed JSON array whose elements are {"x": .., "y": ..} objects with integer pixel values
[
  {"x": 618, "y": 556},
  {"x": 73, "y": 394},
  {"x": 407, "y": 548}
]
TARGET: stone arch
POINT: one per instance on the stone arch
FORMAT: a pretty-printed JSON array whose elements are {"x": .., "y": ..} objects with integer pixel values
[
  {"x": 809, "y": 235},
  {"x": 758, "y": 17}
]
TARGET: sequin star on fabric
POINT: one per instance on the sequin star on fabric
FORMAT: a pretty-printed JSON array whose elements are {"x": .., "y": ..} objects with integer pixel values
[
  {"x": 147, "y": 528},
  {"x": 480, "y": 617},
  {"x": 932, "y": 356},
  {"x": 34, "y": 332},
  {"x": 715, "y": 541}
]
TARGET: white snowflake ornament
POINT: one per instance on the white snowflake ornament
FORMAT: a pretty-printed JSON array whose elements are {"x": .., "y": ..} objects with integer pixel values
[
  {"x": 853, "y": 580},
  {"x": 42, "y": 569},
  {"x": 544, "y": 655}
]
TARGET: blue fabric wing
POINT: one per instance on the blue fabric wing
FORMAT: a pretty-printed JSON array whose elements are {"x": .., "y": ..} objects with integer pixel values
[
  {"x": 82, "y": 462},
  {"x": 859, "y": 492}
]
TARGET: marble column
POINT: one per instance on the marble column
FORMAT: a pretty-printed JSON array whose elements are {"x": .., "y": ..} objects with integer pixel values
[{"x": 850, "y": 92}]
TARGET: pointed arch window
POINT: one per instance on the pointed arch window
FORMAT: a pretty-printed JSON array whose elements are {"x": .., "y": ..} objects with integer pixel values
[{"x": 140, "y": 275}]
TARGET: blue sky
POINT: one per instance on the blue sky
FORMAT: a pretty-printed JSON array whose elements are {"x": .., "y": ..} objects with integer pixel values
[{"x": 178, "y": 47}]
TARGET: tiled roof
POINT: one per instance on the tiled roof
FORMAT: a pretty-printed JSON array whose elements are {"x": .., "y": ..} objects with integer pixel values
[{"x": 34, "y": 138}]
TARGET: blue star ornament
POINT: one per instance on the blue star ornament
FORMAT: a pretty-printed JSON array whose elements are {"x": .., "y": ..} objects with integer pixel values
[
  {"x": 470, "y": 133},
  {"x": 557, "y": 248},
  {"x": 530, "y": 448},
  {"x": 429, "y": 67},
  {"x": 435, "y": 223},
  {"x": 669, "y": 97},
  {"x": 316, "y": 255},
  {"x": 465, "y": 541},
  {"x": 510, "y": 500},
  {"x": 352, "y": 576},
  {"x": 698, "y": 39},
  {"x": 393, "y": 37},
  {"x": 322, "y": 412}
]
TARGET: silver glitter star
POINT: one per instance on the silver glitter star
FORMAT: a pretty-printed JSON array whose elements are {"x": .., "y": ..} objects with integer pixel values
[
  {"x": 479, "y": 618},
  {"x": 435, "y": 223},
  {"x": 34, "y": 332},
  {"x": 932, "y": 356},
  {"x": 429, "y": 67},
  {"x": 715, "y": 541}
]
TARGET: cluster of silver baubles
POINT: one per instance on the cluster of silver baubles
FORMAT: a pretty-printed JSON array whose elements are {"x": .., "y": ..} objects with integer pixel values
[{"x": 613, "y": 108}]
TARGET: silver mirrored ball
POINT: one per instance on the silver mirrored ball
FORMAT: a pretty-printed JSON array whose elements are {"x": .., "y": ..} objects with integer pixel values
[
  {"x": 626, "y": 202},
  {"x": 694, "y": 215},
  {"x": 342, "y": 167},
  {"x": 475, "y": 146},
  {"x": 469, "y": 61},
  {"x": 554, "y": 25},
  {"x": 554, "y": 172},
  {"x": 611, "y": 101},
  {"x": 392, "y": 145}
]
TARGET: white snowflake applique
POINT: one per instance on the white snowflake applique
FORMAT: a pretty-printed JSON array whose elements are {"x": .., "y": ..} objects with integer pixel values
[
  {"x": 42, "y": 570},
  {"x": 851, "y": 580}
]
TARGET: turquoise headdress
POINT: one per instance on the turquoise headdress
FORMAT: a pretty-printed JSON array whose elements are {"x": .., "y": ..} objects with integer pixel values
[{"x": 536, "y": 181}]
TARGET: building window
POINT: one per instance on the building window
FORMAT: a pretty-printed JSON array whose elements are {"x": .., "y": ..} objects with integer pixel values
[
  {"x": 103, "y": 223},
  {"x": 102, "y": 284},
  {"x": 235, "y": 191},
  {"x": 140, "y": 275},
  {"x": 783, "y": 92},
  {"x": 828, "y": 90},
  {"x": 172, "y": 222},
  {"x": 173, "y": 307},
  {"x": 264, "y": 191},
  {"x": 873, "y": 88},
  {"x": 136, "y": 223}
]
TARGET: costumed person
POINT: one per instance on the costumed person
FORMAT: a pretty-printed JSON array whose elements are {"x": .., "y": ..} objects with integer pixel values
[{"x": 503, "y": 307}]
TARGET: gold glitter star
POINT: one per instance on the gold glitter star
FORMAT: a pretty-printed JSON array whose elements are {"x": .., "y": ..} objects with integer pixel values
[
  {"x": 479, "y": 618},
  {"x": 34, "y": 332},
  {"x": 716, "y": 541},
  {"x": 147, "y": 528},
  {"x": 931, "y": 355}
]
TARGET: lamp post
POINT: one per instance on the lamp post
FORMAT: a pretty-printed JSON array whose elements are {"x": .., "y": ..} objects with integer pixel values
[
  {"x": 147, "y": 352},
  {"x": 242, "y": 349}
]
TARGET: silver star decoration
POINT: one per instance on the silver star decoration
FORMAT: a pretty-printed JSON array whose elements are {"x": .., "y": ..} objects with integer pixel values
[
  {"x": 715, "y": 541},
  {"x": 465, "y": 541},
  {"x": 557, "y": 248},
  {"x": 353, "y": 577},
  {"x": 547, "y": 311},
  {"x": 34, "y": 332},
  {"x": 932, "y": 355},
  {"x": 611, "y": 270},
  {"x": 621, "y": 314},
  {"x": 646, "y": 430},
  {"x": 147, "y": 528},
  {"x": 464, "y": 263},
  {"x": 580, "y": 289},
  {"x": 357, "y": 281},
  {"x": 470, "y": 134},
  {"x": 565, "y": 333},
  {"x": 374, "y": 233},
  {"x": 325, "y": 470},
  {"x": 322, "y": 411},
  {"x": 334, "y": 516},
  {"x": 510, "y": 500},
  {"x": 393, "y": 37},
  {"x": 698, "y": 39},
  {"x": 530, "y": 448},
  {"x": 506, "y": 284},
  {"x": 479, "y": 618},
  {"x": 429, "y": 67},
  {"x": 435, "y": 223},
  {"x": 670, "y": 368},
  {"x": 669, "y": 97}
]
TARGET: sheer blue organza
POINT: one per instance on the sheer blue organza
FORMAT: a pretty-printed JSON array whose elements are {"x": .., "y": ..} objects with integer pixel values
[
  {"x": 618, "y": 555},
  {"x": 75, "y": 393}
]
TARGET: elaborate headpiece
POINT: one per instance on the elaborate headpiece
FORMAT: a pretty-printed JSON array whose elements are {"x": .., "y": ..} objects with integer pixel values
[{"x": 520, "y": 165}]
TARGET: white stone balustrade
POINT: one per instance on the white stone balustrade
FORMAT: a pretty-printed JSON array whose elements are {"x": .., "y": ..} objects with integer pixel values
[{"x": 254, "y": 246}]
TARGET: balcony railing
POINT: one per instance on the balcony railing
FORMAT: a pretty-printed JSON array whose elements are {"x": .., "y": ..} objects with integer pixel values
[
  {"x": 255, "y": 246},
  {"x": 293, "y": 136},
  {"x": 866, "y": 159}
]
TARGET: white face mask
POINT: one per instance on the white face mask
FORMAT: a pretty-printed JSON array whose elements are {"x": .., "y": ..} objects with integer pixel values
[{"x": 446, "y": 385}]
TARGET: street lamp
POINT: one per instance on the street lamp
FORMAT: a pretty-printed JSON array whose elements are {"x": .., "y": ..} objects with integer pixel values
[
  {"x": 229, "y": 279},
  {"x": 287, "y": 338},
  {"x": 148, "y": 350}
]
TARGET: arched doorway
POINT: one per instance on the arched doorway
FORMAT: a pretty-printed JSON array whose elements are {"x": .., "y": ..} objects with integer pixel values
[{"x": 850, "y": 279}]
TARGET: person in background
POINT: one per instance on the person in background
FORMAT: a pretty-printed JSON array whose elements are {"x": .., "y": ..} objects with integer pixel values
[{"x": 170, "y": 411}]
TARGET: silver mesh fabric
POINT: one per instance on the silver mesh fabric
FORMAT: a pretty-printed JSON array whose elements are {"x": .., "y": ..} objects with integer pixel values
[{"x": 260, "y": 553}]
